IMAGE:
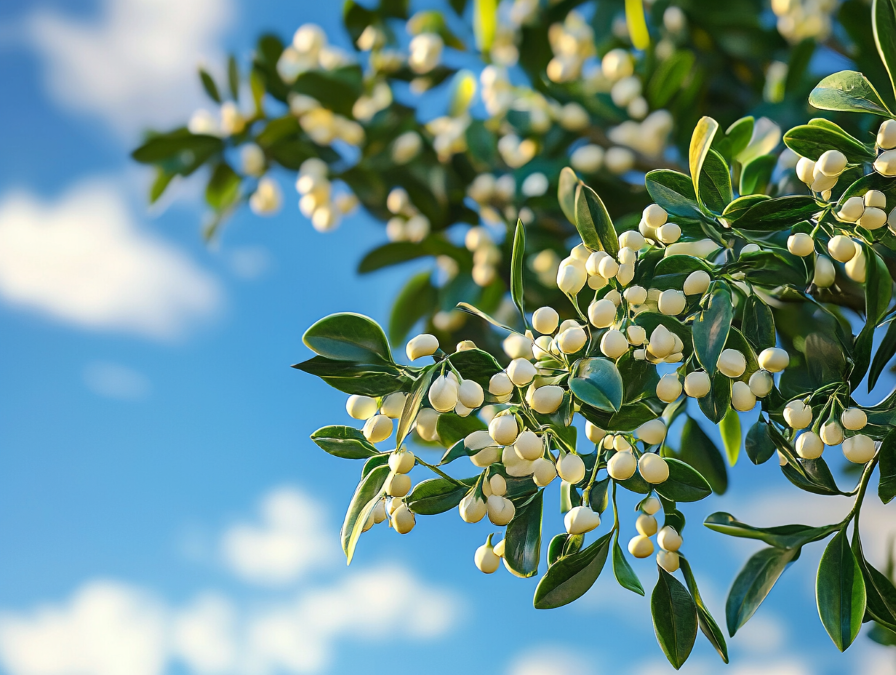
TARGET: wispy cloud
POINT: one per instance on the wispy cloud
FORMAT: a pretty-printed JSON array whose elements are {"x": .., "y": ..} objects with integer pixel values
[
  {"x": 552, "y": 660},
  {"x": 115, "y": 381},
  {"x": 133, "y": 64},
  {"x": 83, "y": 260}
]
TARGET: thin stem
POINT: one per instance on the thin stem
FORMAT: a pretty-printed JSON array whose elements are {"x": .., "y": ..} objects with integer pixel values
[
  {"x": 860, "y": 496},
  {"x": 441, "y": 473}
]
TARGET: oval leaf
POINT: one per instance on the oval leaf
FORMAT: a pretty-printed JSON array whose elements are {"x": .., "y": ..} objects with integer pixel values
[
  {"x": 593, "y": 222},
  {"x": 345, "y": 442},
  {"x": 368, "y": 492},
  {"x": 598, "y": 383},
  {"x": 571, "y": 577},
  {"x": 840, "y": 592},
  {"x": 674, "y": 618},
  {"x": 349, "y": 337}
]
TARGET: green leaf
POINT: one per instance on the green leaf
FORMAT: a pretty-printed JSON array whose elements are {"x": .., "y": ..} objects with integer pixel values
[
  {"x": 717, "y": 402},
  {"x": 883, "y": 15},
  {"x": 345, "y": 442},
  {"x": 349, "y": 337},
  {"x": 707, "y": 623},
  {"x": 711, "y": 327},
  {"x": 177, "y": 145},
  {"x": 516, "y": 269},
  {"x": 672, "y": 271},
  {"x": 522, "y": 550},
  {"x": 336, "y": 89},
  {"x": 878, "y": 286},
  {"x": 685, "y": 484},
  {"x": 368, "y": 493},
  {"x": 882, "y": 356},
  {"x": 438, "y": 495},
  {"x": 159, "y": 185},
  {"x": 571, "y": 577},
  {"x": 356, "y": 378},
  {"x": 223, "y": 187},
  {"x": 674, "y": 618},
  {"x": 412, "y": 404},
  {"x": 755, "y": 176},
  {"x": 731, "y": 435},
  {"x": 758, "y": 323},
  {"x": 879, "y": 590},
  {"x": 233, "y": 77},
  {"x": 815, "y": 476},
  {"x": 397, "y": 252},
  {"x": 566, "y": 193},
  {"x": 415, "y": 301},
  {"x": 739, "y": 135},
  {"x": 476, "y": 365},
  {"x": 758, "y": 444},
  {"x": 811, "y": 141},
  {"x": 772, "y": 215},
  {"x": 699, "y": 452},
  {"x": 623, "y": 571},
  {"x": 668, "y": 78},
  {"x": 701, "y": 141},
  {"x": 593, "y": 222},
  {"x": 840, "y": 592},
  {"x": 740, "y": 206},
  {"x": 599, "y": 499},
  {"x": 209, "y": 85},
  {"x": 886, "y": 490},
  {"x": 715, "y": 183},
  {"x": 453, "y": 428},
  {"x": 673, "y": 191},
  {"x": 848, "y": 91},
  {"x": 485, "y": 20},
  {"x": 470, "y": 309},
  {"x": 753, "y": 584},
  {"x": 598, "y": 383},
  {"x": 780, "y": 536}
]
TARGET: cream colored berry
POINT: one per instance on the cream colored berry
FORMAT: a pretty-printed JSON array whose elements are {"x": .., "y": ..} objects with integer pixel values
[
  {"x": 622, "y": 466},
  {"x": 625, "y": 274},
  {"x": 504, "y": 429},
  {"x": 852, "y": 210},
  {"x": 393, "y": 404},
  {"x": 613, "y": 344},
  {"x": 631, "y": 239},
  {"x": 856, "y": 268},
  {"x": 671, "y": 302},
  {"x": 592, "y": 265},
  {"x": 500, "y": 385},
  {"x": 805, "y": 170},
  {"x": 885, "y": 164},
  {"x": 761, "y": 383},
  {"x": 593, "y": 433},
  {"x": 655, "y": 216},
  {"x": 854, "y": 419},
  {"x": 529, "y": 445},
  {"x": 669, "y": 233},
  {"x": 498, "y": 485},
  {"x": 636, "y": 335},
  {"x": 697, "y": 384},
  {"x": 652, "y": 432},
  {"x": 661, "y": 343},
  {"x": 886, "y": 135},
  {"x": 646, "y": 525},
  {"x": 470, "y": 394},
  {"x": 521, "y": 372},
  {"x": 842, "y": 249},
  {"x": 427, "y": 419},
  {"x": 809, "y": 445},
  {"x": 572, "y": 340},
  {"x": 403, "y": 519},
  {"x": 361, "y": 407},
  {"x": 471, "y": 508},
  {"x": 486, "y": 559},
  {"x": 547, "y": 400},
  {"x": 640, "y": 546},
  {"x": 650, "y": 505},
  {"x": 732, "y": 363},
  {"x": 668, "y": 560},
  {"x": 653, "y": 468},
  {"x": 607, "y": 267},
  {"x": 668, "y": 388},
  {"x": 859, "y": 449},
  {"x": 773, "y": 359},
  {"x": 422, "y": 345},
  {"x": 875, "y": 198},
  {"x": 832, "y": 433},
  {"x": 402, "y": 462},
  {"x": 831, "y": 163},
  {"x": 800, "y": 244},
  {"x": 571, "y": 279},
  {"x": 544, "y": 471},
  {"x": 620, "y": 444},
  {"x": 545, "y": 320},
  {"x": 443, "y": 394},
  {"x": 499, "y": 548},
  {"x": 797, "y": 415},
  {"x": 518, "y": 346},
  {"x": 825, "y": 273},
  {"x": 696, "y": 283},
  {"x": 580, "y": 520},
  {"x": 626, "y": 256},
  {"x": 571, "y": 468},
  {"x": 635, "y": 295},
  {"x": 742, "y": 398},
  {"x": 602, "y": 313},
  {"x": 398, "y": 485},
  {"x": 378, "y": 428},
  {"x": 873, "y": 218},
  {"x": 500, "y": 510},
  {"x": 669, "y": 539}
]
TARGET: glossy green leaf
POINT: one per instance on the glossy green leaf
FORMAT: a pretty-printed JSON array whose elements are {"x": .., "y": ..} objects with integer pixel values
[
  {"x": 470, "y": 309},
  {"x": 598, "y": 383},
  {"x": 476, "y": 365},
  {"x": 522, "y": 549},
  {"x": 706, "y": 621},
  {"x": 731, "y": 435},
  {"x": 811, "y": 141},
  {"x": 739, "y": 135},
  {"x": 208, "y": 83},
  {"x": 840, "y": 592},
  {"x": 779, "y": 536},
  {"x": 715, "y": 182},
  {"x": 517, "y": 263},
  {"x": 885, "y": 351},
  {"x": 699, "y": 452},
  {"x": 345, "y": 442},
  {"x": 758, "y": 444},
  {"x": 623, "y": 571},
  {"x": 593, "y": 222},
  {"x": 753, "y": 584},
  {"x": 758, "y": 323},
  {"x": 669, "y": 77},
  {"x": 883, "y": 16},
  {"x": 701, "y": 141},
  {"x": 685, "y": 484},
  {"x": 878, "y": 287},
  {"x": 566, "y": 193},
  {"x": 223, "y": 187},
  {"x": 848, "y": 91},
  {"x": 755, "y": 176},
  {"x": 571, "y": 577},
  {"x": 412, "y": 404},
  {"x": 453, "y": 428},
  {"x": 599, "y": 499},
  {"x": 711, "y": 327},
  {"x": 717, "y": 402},
  {"x": 180, "y": 142},
  {"x": 741, "y": 205},
  {"x": 438, "y": 495},
  {"x": 880, "y": 593},
  {"x": 397, "y": 252},
  {"x": 886, "y": 489},
  {"x": 673, "y": 191},
  {"x": 233, "y": 77},
  {"x": 674, "y": 618},
  {"x": 368, "y": 493},
  {"x": 773, "y": 215},
  {"x": 348, "y": 337},
  {"x": 815, "y": 476},
  {"x": 356, "y": 378}
]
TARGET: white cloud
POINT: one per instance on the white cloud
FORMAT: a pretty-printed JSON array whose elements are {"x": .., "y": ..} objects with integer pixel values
[
  {"x": 115, "y": 381},
  {"x": 106, "y": 628},
  {"x": 291, "y": 537},
  {"x": 551, "y": 660},
  {"x": 83, "y": 260},
  {"x": 135, "y": 63},
  {"x": 204, "y": 634},
  {"x": 249, "y": 262}
]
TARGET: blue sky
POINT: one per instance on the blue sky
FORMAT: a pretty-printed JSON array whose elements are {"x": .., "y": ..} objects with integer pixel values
[{"x": 161, "y": 507}]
